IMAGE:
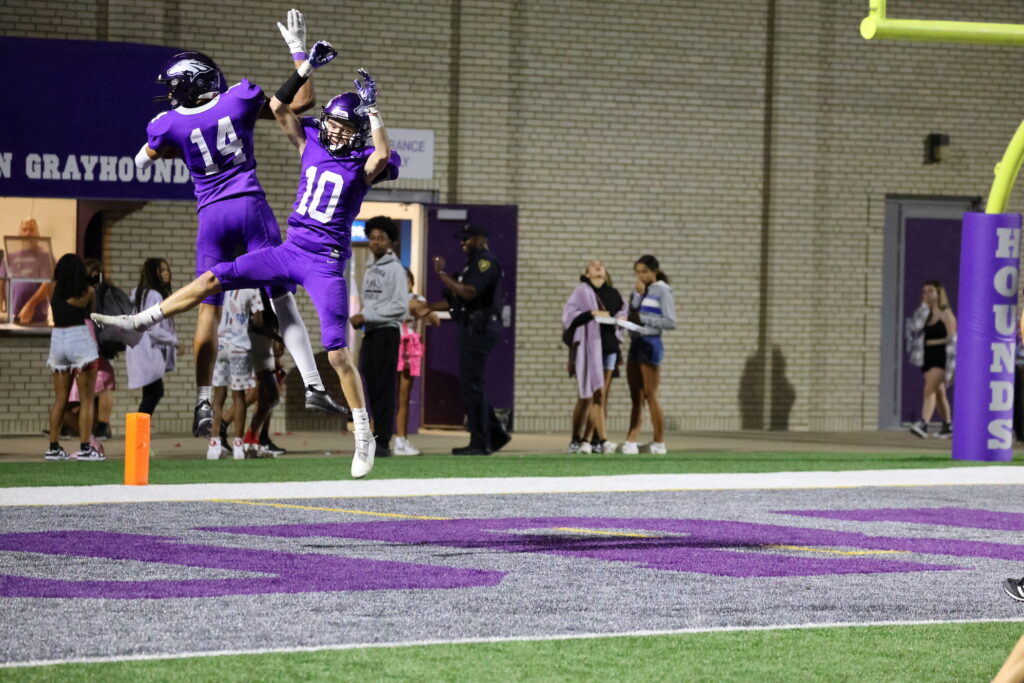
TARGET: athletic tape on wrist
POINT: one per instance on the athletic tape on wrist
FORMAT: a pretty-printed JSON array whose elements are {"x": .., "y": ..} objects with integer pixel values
[
  {"x": 142, "y": 160},
  {"x": 376, "y": 121},
  {"x": 286, "y": 93}
]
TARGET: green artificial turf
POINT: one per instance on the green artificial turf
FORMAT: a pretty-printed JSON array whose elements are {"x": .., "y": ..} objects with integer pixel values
[
  {"x": 942, "y": 652},
  {"x": 72, "y": 473}
]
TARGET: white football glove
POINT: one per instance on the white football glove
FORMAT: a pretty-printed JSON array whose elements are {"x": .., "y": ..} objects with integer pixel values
[{"x": 295, "y": 33}]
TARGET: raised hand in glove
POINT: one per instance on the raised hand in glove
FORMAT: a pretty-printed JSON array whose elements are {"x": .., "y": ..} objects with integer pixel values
[
  {"x": 322, "y": 53},
  {"x": 367, "y": 91},
  {"x": 294, "y": 33}
]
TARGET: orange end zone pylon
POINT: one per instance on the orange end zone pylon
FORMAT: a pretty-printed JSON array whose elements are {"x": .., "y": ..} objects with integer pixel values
[{"x": 136, "y": 449}]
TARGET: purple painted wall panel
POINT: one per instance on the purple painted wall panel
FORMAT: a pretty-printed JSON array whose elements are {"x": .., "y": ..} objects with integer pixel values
[
  {"x": 931, "y": 249},
  {"x": 442, "y": 402}
]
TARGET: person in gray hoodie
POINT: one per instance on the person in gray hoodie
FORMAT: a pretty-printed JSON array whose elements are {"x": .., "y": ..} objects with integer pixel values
[{"x": 385, "y": 302}]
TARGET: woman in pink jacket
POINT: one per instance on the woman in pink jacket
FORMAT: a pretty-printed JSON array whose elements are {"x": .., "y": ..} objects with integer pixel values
[{"x": 593, "y": 352}]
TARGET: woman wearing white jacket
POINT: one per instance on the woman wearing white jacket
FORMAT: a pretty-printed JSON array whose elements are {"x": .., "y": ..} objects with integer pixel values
[{"x": 156, "y": 353}]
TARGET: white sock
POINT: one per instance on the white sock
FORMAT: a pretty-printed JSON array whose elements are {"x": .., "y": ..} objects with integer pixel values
[
  {"x": 296, "y": 340},
  {"x": 202, "y": 394},
  {"x": 149, "y": 317},
  {"x": 361, "y": 421}
]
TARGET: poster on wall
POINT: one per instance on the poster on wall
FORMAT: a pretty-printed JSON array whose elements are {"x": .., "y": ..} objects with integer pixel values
[{"x": 79, "y": 118}]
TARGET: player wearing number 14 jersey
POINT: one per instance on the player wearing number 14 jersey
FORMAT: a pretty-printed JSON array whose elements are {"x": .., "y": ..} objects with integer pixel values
[
  {"x": 338, "y": 169},
  {"x": 211, "y": 126}
]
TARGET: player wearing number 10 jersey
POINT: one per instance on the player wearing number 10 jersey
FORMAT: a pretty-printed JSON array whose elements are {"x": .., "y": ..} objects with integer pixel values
[
  {"x": 337, "y": 172},
  {"x": 211, "y": 126}
]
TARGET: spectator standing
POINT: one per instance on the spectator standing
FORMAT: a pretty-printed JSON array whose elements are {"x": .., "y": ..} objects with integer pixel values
[
  {"x": 410, "y": 361},
  {"x": 933, "y": 329},
  {"x": 234, "y": 370},
  {"x": 474, "y": 299},
  {"x": 106, "y": 381},
  {"x": 592, "y": 354},
  {"x": 385, "y": 302},
  {"x": 156, "y": 353},
  {"x": 653, "y": 306},
  {"x": 611, "y": 349},
  {"x": 73, "y": 354},
  {"x": 266, "y": 352}
]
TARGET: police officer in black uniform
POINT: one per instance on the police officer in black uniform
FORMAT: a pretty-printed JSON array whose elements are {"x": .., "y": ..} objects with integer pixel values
[{"x": 474, "y": 299}]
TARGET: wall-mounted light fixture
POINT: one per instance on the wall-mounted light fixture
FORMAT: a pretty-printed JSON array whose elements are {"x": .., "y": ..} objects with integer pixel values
[{"x": 934, "y": 146}]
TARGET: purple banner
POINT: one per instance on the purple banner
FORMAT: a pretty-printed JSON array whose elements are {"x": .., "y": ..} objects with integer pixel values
[
  {"x": 986, "y": 341},
  {"x": 84, "y": 119}
]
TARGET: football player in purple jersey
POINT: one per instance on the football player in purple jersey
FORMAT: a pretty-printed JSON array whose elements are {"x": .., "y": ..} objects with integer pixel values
[
  {"x": 338, "y": 169},
  {"x": 211, "y": 126}
]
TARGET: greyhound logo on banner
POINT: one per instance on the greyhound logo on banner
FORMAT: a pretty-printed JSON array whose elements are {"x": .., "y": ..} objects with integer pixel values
[{"x": 986, "y": 339}]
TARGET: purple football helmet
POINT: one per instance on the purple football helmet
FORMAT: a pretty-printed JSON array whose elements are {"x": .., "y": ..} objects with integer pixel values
[
  {"x": 187, "y": 76},
  {"x": 345, "y": 108}
]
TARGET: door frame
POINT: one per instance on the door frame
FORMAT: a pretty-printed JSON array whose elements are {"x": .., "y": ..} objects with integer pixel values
[{"x": 899, "y": 208}]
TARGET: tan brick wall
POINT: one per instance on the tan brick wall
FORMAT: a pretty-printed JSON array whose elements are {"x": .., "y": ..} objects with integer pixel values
[{"x": 621, "y": 128}]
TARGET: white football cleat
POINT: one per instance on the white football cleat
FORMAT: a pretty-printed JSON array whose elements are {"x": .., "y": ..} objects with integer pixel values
[
  {"x": 362, "y": 460},
  {"x": 608, "y": 446},
  {"x": 630, "y": 448},
  {"x": 586, "y": 448},
  {"x": 658, "y": 448},
  {"x": 238, "y": 449},
  {"x": 121, "y": 322}
]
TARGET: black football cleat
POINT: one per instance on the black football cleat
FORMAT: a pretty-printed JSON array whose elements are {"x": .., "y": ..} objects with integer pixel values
[
  {"x": 1014, "y": 588},
  {"x": 319, "y": 399},
  {"x": 202, "y": 419}
]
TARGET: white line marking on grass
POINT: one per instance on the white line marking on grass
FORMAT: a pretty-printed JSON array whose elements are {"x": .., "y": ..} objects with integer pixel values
[
  {"x": 390, "y": 488},
  {"x": 495, "y": 639}
]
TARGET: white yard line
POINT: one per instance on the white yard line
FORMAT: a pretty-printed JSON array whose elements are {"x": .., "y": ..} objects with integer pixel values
[
  {"x": 386, "y": 488},
  {"x": 495, "y": 639}
]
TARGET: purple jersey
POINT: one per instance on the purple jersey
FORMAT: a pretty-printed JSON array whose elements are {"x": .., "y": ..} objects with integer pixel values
[
  {"x": 215, "y": 140},
  {"x": 330, "y": 194}
]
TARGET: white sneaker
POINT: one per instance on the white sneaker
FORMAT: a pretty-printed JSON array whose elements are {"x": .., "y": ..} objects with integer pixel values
[
  {"x": 630, "y": 448},
  {"x": 238, "y": 449},
  {"x": 362, "y": 460},
  {"x": 657, "y": 448},
  {"x": 574, "y": 447},
  {"x": 608, "y": 446},
  {"x": 586, "y": 448},
  {"x": 89, "y": 454},
  {"x": 214, "y": 450},
  {"x": 403, "y": 447}
]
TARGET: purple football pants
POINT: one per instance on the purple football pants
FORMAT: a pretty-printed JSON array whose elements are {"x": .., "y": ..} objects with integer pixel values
[
  {"x": 232, "y": 227},
  {"x": 321, "y": 275}
]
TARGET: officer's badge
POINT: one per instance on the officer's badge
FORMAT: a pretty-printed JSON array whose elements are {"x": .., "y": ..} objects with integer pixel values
[{"x": 483, "y": 264}]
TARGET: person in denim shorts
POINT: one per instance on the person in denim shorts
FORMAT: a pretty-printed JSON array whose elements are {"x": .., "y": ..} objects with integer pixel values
[
  {"x": 73, "y": 354},
  {"x": 652, "y": 306}
]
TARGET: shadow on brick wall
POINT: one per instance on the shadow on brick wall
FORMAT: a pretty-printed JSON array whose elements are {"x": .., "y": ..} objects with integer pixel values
[{"x": 782, "y": 394}]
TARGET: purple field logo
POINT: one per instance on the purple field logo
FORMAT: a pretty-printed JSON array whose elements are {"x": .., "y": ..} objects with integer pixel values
[{"x": 720, "y": 548}]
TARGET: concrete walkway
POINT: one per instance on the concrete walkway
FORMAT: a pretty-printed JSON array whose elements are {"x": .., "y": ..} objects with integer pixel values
[{"x": 313, "y": 444}]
